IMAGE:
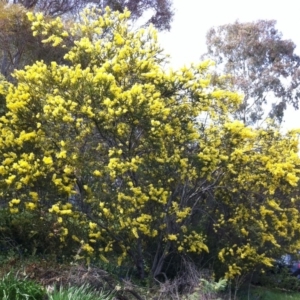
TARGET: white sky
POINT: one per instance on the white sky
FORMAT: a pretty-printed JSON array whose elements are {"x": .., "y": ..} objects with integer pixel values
[{"x": 193, "y": 18}]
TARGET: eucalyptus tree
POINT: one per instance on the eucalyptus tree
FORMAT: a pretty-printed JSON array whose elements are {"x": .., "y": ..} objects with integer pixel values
[{"x": 262, "y": 65}]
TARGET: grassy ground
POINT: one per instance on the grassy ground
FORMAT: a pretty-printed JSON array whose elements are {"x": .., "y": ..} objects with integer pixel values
[{"x": 261, "y": 293}]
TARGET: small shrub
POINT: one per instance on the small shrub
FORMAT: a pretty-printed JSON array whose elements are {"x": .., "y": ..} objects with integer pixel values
[
  {"x": 208, "y": 289},
  {"x": 12, "y": 287},
  {"x": 280, "y": 278}
]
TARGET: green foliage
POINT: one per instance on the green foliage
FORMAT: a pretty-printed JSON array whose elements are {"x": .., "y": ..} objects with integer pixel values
[
  {"x": 213, "y": 286},
  {"x": 208, "y": 289},
  {"x": 83, "y": 292},
  {"x": 263, "y": 293},
  {"x": 12, "y": 287},
  {"x": 279, "y": 278}
]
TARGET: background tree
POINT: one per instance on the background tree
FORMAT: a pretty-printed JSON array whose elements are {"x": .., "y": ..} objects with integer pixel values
[
  {"x": 112, "y": 143},
  {"x": 262, "y": 65},
  {"x": 161, "y": 17}
]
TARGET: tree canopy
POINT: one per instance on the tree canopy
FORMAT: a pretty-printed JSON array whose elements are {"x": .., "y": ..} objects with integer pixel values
[
  {"x": 261, "y": 64},
  {"x": 18, "y": 47},
  {"x": 161, "y": 16}
]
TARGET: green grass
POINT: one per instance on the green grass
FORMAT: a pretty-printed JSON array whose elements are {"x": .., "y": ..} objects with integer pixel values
[
  {"x": 84, "y": 292},
  {"x": 14, "y": 288},
  {"x": 261, "y": 293}
]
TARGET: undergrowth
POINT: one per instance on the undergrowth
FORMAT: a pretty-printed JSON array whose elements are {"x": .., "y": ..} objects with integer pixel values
[{"x": 15, "y": 288}]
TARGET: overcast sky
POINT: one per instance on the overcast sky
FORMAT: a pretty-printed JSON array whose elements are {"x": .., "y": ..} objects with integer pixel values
[{"x": 186, "y": 40}]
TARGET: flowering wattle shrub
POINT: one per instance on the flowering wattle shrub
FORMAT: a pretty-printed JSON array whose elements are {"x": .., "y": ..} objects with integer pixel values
[{"x": 148, "y": 160}]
